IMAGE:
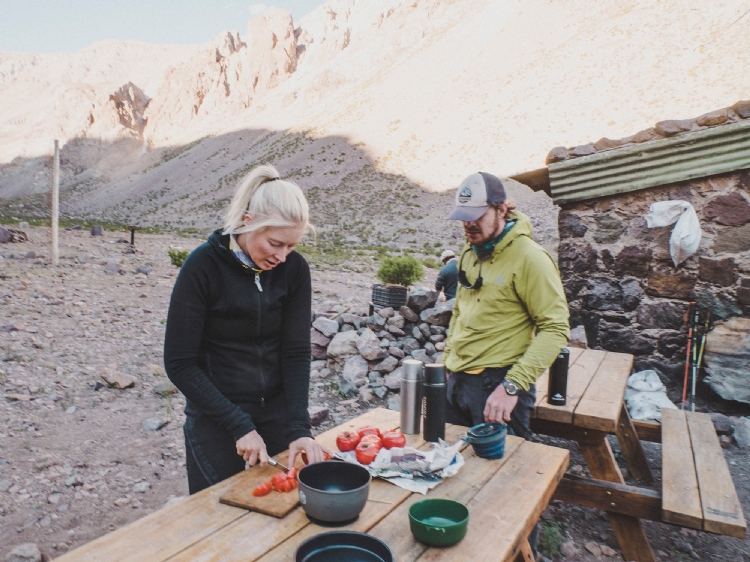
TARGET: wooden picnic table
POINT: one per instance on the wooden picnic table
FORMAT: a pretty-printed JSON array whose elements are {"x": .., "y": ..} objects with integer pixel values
[
  {"x": 505, "y": 499},
  {"x": 697, "y": 488}
]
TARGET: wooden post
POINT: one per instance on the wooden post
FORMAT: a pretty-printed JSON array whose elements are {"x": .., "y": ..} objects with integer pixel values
[{"x": 55, "y": 203}]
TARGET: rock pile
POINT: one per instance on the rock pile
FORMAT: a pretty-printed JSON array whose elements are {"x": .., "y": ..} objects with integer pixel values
[{"x": 364, "y": 353}]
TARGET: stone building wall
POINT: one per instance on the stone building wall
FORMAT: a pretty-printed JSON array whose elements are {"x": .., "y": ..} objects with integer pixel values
[{"x": 621, "y": 283}]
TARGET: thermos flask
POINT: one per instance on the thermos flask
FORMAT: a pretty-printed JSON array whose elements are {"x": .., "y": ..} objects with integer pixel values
[
  {"x": 558, "y": 379},
  {"x": 411, "y": 397},
  {"x": 435, "y": 402}
]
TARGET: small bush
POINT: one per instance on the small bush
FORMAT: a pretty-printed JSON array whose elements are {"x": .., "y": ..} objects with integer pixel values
[
  {"x": 177, "y": 256},
  {"x": 550, "y": 539},
  {"x": 404, "y": 271},
  {"x": 431, "y": 263}
]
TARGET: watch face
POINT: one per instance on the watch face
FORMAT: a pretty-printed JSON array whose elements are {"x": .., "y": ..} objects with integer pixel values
[{"x": 510, "y": 387}]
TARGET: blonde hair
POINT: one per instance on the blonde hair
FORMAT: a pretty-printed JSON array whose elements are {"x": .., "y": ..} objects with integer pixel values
[{"x": 269, "y": 200}]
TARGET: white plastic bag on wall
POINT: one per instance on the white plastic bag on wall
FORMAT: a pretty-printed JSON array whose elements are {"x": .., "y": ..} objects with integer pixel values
[{"x": 686, "y": 235}]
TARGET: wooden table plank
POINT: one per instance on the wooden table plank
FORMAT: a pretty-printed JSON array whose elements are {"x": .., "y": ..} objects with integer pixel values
[
  {"x": 394, "y": 530},
  {"x": 681, "y": 503},
  {"x": 163, "y": 533},
  {"x": 599, "y": 407},
  {"x": 580, "y": 374},
  {"x": 542, "y": 383},
  {"x": 509, "y": 505},
  {"x": 722, "y": 512}
]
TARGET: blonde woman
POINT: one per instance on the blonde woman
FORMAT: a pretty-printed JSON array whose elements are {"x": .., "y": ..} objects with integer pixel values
[{"x": 238, "y": 335}]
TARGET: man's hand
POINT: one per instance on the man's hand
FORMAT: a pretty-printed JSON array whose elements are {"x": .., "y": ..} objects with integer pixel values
[
  {"x": 252, "y": 448},
  {"x": 315, "y": 451},
  {"x": 499, "y": 405}
]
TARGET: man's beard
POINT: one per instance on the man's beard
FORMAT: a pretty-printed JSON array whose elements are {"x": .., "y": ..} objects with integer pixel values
[{"x": 477, "y": 230}]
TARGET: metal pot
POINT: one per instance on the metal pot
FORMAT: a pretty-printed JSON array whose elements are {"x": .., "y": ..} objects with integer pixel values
[
  {"x": 343, "y": 546},
  {"x": 333, "y": 491}
]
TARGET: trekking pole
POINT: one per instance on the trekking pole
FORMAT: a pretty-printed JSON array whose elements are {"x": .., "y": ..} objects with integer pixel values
[
  {"x": 694, "y": 366},
  {"x": 688, "y": 319},
  {"x": 706, "y": 329}
]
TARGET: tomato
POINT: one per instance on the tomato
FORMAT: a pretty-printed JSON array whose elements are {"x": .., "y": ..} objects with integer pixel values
[
  {"x": 374, "y": 439},
  {"x": 366, "y": 452},
  {"x": 292, "y": 474},
  {"x": 326, "y": 457},
  {"x": 393, "y": 439},
  {"x": 368, "y": 430},
  {"x": 347, "y": 441},
  {"x": 278, "y": 478},
  {"x": 263, "y": 489}
]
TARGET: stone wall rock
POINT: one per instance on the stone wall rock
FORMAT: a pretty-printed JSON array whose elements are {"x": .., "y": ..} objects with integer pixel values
[{"x": 727, "y": 357}]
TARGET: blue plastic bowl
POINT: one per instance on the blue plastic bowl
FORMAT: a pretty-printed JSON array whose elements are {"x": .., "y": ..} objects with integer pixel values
[{"x": 488, "y": 439}]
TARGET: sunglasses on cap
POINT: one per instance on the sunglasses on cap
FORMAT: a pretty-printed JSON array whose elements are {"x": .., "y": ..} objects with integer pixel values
[{"x": 463, "y": 280}]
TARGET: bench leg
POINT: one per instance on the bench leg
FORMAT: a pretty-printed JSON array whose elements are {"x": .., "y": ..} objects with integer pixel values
[
  {"x": 525, "y": 554},
  {"x": 628, "y": 530},
  {"x": 632, "y": 449}
]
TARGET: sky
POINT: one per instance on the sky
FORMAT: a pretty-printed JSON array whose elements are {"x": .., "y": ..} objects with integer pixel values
[{"x": 65, "y": 26}]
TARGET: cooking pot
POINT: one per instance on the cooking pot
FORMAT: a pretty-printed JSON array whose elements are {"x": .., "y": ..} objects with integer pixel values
[
  {"x": 487, "y": 439},
  {"x": 438, "y": 521},
  {"x": 333, "y": 491},
  {"x": 343, "y": 546}
]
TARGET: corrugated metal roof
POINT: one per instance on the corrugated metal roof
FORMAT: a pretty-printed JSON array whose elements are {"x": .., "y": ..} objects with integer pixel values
[{"x": 660, "y": 162}]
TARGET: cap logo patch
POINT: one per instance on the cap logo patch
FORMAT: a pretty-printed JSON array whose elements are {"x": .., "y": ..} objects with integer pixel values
[{"x": 465, "y": 195}]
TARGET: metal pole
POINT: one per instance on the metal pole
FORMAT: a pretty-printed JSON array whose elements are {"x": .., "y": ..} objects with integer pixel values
[{"x": 55, "y": 203}]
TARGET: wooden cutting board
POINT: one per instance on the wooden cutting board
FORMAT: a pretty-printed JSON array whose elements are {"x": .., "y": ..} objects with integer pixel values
[{"x": 276, "y": 504}]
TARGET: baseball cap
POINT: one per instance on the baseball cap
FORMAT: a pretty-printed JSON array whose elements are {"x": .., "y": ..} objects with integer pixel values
[
  {"x": 447, "y": 254},
  {"x": 474, "y": 196}
]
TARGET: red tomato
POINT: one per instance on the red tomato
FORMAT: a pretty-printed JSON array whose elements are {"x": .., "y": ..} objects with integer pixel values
[
  {"x": 292, "y": 474},
  {"x": 278, "y": 478},
  {"x": 326, "y": 457},
  {"x": 347, "y": 441},
  {"x": 393, "y": 439},
  {"x": 374, "y": 439},
  {"x": 263, "y": 489},
  {"x": 368, "y": 430},
  {"x": 366, "y": 452}
]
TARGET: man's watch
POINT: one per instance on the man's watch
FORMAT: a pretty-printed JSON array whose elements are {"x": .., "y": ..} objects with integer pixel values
[{"x": 511, "y": 388}]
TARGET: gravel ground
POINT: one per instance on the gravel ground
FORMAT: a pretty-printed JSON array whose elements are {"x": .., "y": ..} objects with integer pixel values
[{"x": 79, "y": 458}]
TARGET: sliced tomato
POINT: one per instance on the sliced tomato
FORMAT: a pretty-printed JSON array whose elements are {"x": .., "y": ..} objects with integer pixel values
[
  {"x": 368, "y": 430},
  {"x": 366, "y": 452},
  {"x": 278, "y": 478},
  {"x": 347, "y": 441},
  {"x": 263, "y": 489},
  {"x": 292, "y": 474},
  {"x": 393, "y": 439}
]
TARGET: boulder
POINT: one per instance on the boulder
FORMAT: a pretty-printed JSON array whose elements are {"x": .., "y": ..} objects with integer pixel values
[
  {"x": 578, "y": 258},
  {"x": 26, "y": 552},
  {"x": 571, "y": 225},
  {"x": 396, "y": 352},
  {"x": 5, "y": 235},
  {"x": 369, "y": 346},
  {"x": 733, "y": 240},
  {"x": 116, "y": 379},
  {"x": 726, "y": 358},
  {"x": 393, "y": 379},
  {"x": 673, "y": 127},
  {"x": 342, "y": 346},
  {"x": 609, "y": 229},
  {"x": 731, "y": 209},
  {"x": 661, "y": 315},
  {"x": 386, "y": 312},
  {"x": 397, "y": 320},
  {"x": 318, "y": 414},
  {"x": 742, "y": 433},
  {"x": 318, "y": 352},
  {"x": 742, "y": 108},
  {"x": 440, "y": 314},
  {"x": 327, "y": 327},
  {"x": 355, "y": 367},
  {"x": 375, "y": 322},
  {"x": 604, "y": 294},
  {"x": 634, "y": 260},
  {"x": 410, "y": 345},
  {"x": 670, "y": 285},
  {"x": 722, "y": 424},
  {"x": 713, "y": 118},
  {"x": 583, "y": 150},
  {"x": 318, "y": 338},
  {"x": 97, "y": 231},
  {"x": 717, "y": 271},
  {"x": 387, "y": 365},
  {"x": 557, "y": 154},
  {"x": 417, "y": 334},
  {"x": 421, "y": 299},
  {"x": 408, "y": 314}
]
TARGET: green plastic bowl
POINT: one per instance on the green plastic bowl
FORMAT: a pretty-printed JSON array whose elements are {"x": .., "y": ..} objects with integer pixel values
[{"x": 438, "y": 522}]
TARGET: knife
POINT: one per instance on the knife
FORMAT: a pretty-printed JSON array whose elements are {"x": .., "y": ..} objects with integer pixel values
[{"x": 272, "y": 462}]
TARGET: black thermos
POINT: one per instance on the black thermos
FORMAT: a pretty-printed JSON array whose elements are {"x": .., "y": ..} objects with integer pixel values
[
  {"x": 558, "y": 379},
  {"x": 435, "y": 402}
]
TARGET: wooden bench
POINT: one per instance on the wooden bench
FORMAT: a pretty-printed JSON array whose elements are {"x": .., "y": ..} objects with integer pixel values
[{"x": 697, "y": 488}]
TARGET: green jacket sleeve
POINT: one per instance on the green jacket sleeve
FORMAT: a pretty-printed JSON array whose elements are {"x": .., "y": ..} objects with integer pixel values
[{"x": 540, "y": 289}]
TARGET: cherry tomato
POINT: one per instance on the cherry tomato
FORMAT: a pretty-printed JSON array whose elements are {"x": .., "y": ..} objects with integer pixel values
[
  {"x": 368, "y": 430},
  {"x": 393, "y": 439},
  {"x": 374, "y": 439},
  {"x": 347, "y": 441},
  {"x": 366, "y": 452},
  {"x": 263, "y": 489}
]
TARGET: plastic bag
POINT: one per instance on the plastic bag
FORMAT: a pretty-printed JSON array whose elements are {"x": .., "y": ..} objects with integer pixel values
[
  {"x": 686, "y": 235},
  {"x": 646, "y": 396}
]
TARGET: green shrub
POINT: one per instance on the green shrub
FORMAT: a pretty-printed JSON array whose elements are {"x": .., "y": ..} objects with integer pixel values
[
  {"x": 431, "y": 263},
  {"x": 177, "y": 256},
  {"x": 404, "y": 270},
  {"x": 550, "y": 539}
]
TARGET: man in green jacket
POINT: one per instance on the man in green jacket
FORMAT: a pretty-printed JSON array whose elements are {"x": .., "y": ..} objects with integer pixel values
[{"x": 510, "y": 319}]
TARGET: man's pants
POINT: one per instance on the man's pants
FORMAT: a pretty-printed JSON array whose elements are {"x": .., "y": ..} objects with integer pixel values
[{"x": 467, "y": 395}]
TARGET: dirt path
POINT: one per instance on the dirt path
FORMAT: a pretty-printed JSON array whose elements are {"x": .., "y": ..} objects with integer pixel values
[{"x": 77, "y": 462}]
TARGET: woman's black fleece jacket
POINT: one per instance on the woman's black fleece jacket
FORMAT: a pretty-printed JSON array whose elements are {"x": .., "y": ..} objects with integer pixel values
[{"x": 227, "y": 343}]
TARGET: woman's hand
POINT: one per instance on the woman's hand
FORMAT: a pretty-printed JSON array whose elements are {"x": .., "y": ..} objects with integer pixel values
[
  {"x": 252, "y": 448},
  {"x": 314, "y": 450}
]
